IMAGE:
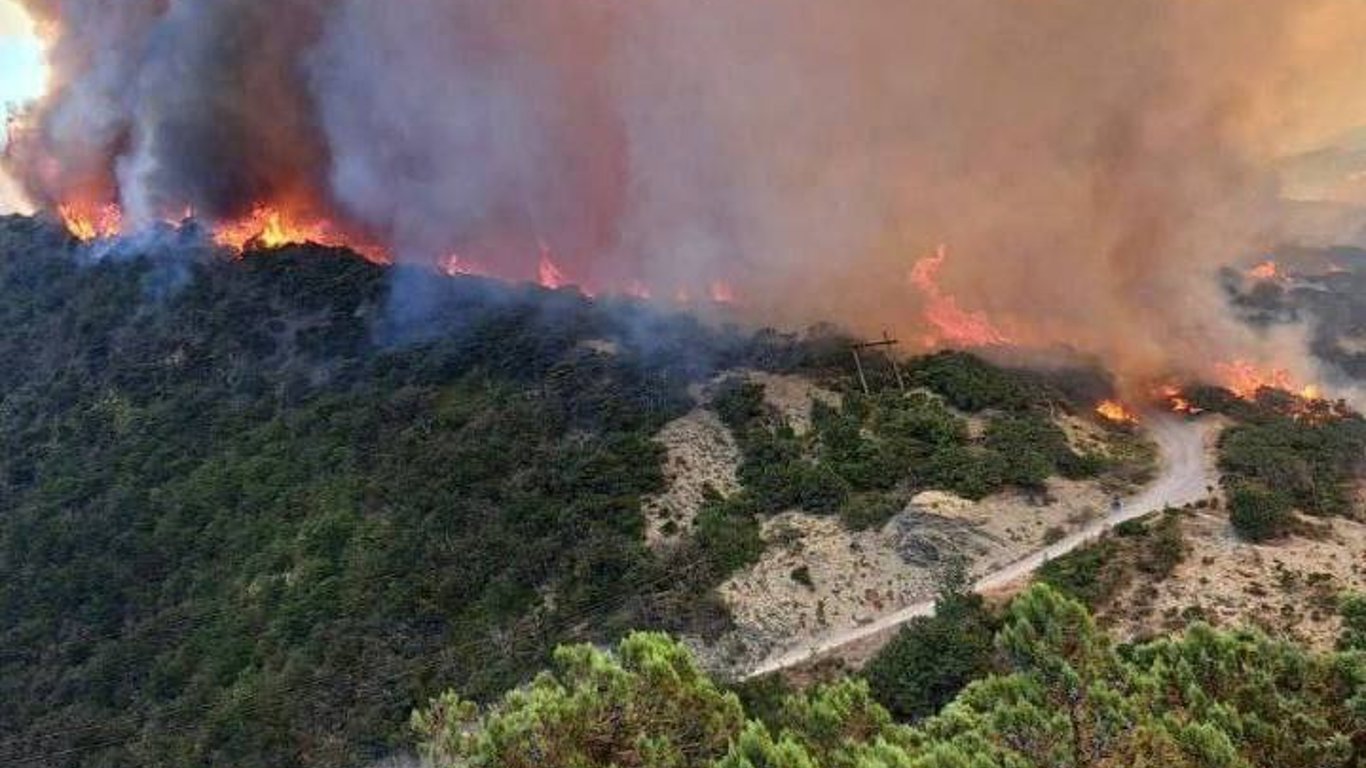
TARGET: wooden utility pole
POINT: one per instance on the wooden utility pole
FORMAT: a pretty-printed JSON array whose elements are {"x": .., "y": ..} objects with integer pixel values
[
  {"x": 858, "y": 363},
  {"x": 887, "y": 342}
]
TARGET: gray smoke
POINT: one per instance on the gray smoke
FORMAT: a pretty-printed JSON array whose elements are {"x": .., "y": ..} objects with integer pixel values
[{"x": 1087, "y": 164}]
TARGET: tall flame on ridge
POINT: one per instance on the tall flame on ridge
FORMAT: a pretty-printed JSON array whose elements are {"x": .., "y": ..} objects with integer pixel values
[{"x": 952, "y": 324}]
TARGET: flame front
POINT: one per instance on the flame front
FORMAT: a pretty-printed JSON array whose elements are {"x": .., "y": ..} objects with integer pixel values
[
  {"x": 1245, "y": 379},
  {"x": 1175, "y": 399},
  {"x": 1116, "y": 412},
  {"x": 91, "y": 222},
  {"x": 1267, "y": 270},
  {"x": 548, "y": 273},
  {"x": 266, "y": 226},
  {"x": 271, "y": 227},
  {"x": 953, "y": 325}
]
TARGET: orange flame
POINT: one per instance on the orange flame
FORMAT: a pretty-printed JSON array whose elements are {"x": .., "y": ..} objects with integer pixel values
[
  {"x": 265, "y": 227},
  {"x": 722, "y": 292},
  {"x": 270, "y": 227},
  {"x": 548, "y": 274},
  {"x": 1116, "y": 412},
  {"x": 1176, "y": 400},
  {"x": 91, "y": 223},
  {"x": 1244, "y": 379},
  {"x": 1267, "y": 270},
  {"x": 953, "y": 324}
]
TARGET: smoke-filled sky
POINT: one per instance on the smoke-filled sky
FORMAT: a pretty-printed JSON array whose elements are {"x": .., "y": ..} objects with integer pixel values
[
  {"x": 1087, "y": 164},
  {"x": 22, "y": 78}
]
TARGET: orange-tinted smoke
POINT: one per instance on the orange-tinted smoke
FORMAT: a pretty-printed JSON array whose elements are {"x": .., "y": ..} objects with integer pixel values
[{"x": 1089, "y": 164}]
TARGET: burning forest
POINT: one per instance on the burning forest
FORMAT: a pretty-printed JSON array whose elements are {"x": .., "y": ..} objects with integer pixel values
[{"x": 1088, "y": 168}]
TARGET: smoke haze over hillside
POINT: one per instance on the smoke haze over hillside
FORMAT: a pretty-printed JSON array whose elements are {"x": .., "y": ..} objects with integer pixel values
[{"x": 1086, "y": 164}]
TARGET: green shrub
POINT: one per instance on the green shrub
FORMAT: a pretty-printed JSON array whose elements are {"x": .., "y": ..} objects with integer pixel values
[
  {"x": 1033, "y": 449},
  {"x": 1311, "y": 463},
  {"x": 728, "y": 534},
  {"x": 970, "y": 383},
  {"x": 1090, "y": 574},
  {"x": 969, "y": 472},
  {"x": 739, "y": 403},
  {"x": 1352, "y": 608},
  {"x": 1259, "y": 514},
  {"x": 867, "y": 511},
  {"x": 933, "y": 657},
  {"x": 1131, "y": 529},
  {"x": 1165, "y": 548}
]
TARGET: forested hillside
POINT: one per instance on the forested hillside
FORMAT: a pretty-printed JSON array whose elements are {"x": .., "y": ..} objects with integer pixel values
[{"x": 251, "y": 511}]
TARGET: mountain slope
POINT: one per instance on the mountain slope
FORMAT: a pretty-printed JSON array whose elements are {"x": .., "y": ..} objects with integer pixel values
[{"x": 251, "y": 511}]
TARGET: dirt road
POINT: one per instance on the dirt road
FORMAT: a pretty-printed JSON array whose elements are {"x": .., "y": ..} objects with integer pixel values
[{"x": 1185, "y": 478}]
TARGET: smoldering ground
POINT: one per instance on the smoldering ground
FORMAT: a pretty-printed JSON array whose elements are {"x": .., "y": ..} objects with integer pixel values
[{"x": 1088, "y": 165}]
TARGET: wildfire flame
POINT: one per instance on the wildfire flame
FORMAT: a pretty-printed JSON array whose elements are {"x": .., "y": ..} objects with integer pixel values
[
  {"x": 454, "y": 265},
  {"x": 1267, "y": 270},
  {"x": 88, "y": 223},
  {"x": 1116, "y": 412},
  {"x": 265, "y": 227},
  {"x": 270, "y": 227},
  {"x": 1244, "y": 379},
  {"x": 548, "y": 273},
  {"x": 1176, "y": 400},
  {"x": 953, "y": 325}
]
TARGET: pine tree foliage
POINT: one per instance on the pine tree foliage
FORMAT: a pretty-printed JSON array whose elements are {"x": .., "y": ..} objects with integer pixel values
[{"x": 1070, "y": 699}]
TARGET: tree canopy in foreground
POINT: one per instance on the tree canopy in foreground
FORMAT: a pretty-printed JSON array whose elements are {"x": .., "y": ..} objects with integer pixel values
[{"x": 1070, "y": 697}]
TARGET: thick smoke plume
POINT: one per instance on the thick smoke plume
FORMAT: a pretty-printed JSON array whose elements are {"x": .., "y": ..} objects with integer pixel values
[{"x": 1086, "y": 164}]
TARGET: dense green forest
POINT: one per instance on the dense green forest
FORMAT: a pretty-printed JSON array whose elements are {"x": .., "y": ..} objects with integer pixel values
[
  {"x": 252, "y": 510},
  {"x": 1057, "y": 693}
]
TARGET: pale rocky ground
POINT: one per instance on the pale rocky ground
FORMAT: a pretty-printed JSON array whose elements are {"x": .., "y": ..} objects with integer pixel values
[
  {"x": 792, "y": 396},
  {"x": 1289, "y": 588},
  {"x": 701, "y": 451},
  {"x": 854, "y": 576}
]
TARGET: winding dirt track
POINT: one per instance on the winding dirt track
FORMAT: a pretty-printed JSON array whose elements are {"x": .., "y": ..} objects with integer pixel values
[{"x": 1184, "y": 478}]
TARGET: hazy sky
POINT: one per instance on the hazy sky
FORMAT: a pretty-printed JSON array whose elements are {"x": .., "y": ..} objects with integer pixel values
[{"x": 21, "y": 77}]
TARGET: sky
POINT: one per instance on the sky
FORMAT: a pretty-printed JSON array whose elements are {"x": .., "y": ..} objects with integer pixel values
[{"x": 22, "y": 78}]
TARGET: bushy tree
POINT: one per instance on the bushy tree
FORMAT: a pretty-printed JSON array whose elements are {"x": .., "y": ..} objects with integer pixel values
[
  {"x": 1068, "y": 698},
  {"x": 933, "y": 657},
  {"x": 1259, "y": 514},
  {"x": 1353, "y": 612},
  {"x": 646, "y": 705}
]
